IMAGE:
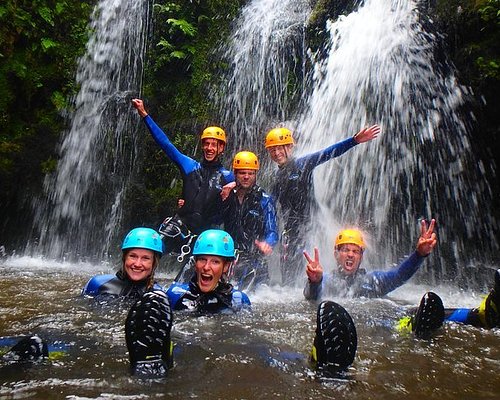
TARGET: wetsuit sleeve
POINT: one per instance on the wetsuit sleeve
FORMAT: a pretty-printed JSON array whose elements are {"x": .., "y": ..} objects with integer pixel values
[
  {"x": 312, "y": 291},
  {"x": 379, "y": 283},
  {"x": 335, "y": 150},
  {"x": 228, "y": 176},
  {"x": 184, "y": 163},
  {"x": 94, "y": 285},
  {"x": 175, "y": 293},
  {"x": 240, "y": 301},
  {"x": 461, "y": 315},
  {"x": 270, "y": 227}
]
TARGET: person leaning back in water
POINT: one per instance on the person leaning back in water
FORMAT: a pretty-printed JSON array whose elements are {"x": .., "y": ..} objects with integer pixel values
[
  {"x": 142, "y": 249},
  {"x": 350, "y": 279},
  {"x": 293, "y": 188}
]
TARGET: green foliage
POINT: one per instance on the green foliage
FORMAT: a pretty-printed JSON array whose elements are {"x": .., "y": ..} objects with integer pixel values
[
  {"x": 40, "y": 42},
  {"x": 181, "y": 68}
]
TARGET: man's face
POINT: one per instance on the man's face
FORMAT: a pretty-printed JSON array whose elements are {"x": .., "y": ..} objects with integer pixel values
[
  {"x": 280, "y": 154},
  {"x": 349, "y": 258},
  {"x": 211, "y": 148},
  {"x": 245, "y": 178}
]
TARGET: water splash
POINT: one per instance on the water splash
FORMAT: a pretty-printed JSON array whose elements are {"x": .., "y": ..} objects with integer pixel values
[
  {"x": 382, "y": 68},
  {"x": 379, "y": 66},
  {"x": 265, "y": 54},
  {"x": 85, "y": 195}
]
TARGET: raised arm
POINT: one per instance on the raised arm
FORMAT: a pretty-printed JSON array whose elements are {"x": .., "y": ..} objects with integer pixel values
[{"x": 314, "y": 272}]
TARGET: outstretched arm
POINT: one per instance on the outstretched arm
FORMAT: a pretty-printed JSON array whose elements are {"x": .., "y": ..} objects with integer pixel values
[{"x": 337, "y": 149}]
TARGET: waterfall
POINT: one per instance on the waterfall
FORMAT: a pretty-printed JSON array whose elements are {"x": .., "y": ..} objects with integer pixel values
[
  {"x": 379, "y": 67},
  {"x": 265, "y": 53},
  {"x": 85, "y": 195}
]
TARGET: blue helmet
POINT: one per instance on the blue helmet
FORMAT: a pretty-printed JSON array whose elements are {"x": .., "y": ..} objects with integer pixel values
[
  {"x": 214, "y": 242},
  {"x": 143, "y": 238}
]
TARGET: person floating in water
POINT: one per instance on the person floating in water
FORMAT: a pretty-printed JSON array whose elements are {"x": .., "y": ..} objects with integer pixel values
[
  {"x": 202, "y": 181},
  {"x": 350, "y": 279},
  {"x": 142, "y": 249},
  {"x": 431, "y": 314},
  {"x": 149, "y": 321},
  {"x": 293, "y": 189},
  {"x": 249, "y": 215}
]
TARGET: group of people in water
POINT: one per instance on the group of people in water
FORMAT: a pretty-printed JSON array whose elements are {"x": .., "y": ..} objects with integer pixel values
[{"x": 225, "y": 264}]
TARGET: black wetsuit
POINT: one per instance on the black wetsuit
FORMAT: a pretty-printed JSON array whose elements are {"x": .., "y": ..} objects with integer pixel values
[
  {"x": 118, "y": 285},
  {"x": 202, "y": 183},
  {"x": 294, "y": 190},
  {"x": 253, "y": 219}
]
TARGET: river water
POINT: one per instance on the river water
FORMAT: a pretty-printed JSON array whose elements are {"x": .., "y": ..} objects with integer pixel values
[{"x": 235, "y": 357}]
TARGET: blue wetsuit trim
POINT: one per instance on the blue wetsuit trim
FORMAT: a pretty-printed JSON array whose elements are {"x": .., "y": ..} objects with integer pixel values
[
  {"x": 322, "y": 156},
  {"x": 459, "y": 315},
  {"x": 270, "y": 229}
]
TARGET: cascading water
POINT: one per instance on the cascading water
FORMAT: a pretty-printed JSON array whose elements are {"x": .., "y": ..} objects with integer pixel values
[
  {"x": 266, "y": 51},
  {"x": 85, "y": 195},
  {"x": 381, "y": 68},
  {"x": 378, "y": 67}
]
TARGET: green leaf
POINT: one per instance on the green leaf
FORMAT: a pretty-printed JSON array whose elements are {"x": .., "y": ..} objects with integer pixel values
[
  {"x": 46, "y": 14},
  {"x": 47, "y": 44},
  {"x": 183, "y": 25}
]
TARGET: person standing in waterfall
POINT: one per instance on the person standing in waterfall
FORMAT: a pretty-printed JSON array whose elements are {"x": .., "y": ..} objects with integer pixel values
[
  {"x": 202, "y": 181},
  {"x": 249, "y": 215},
  {"x": 293, "y": 189}
]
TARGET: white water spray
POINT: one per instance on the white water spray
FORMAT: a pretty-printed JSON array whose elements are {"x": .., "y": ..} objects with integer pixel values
[
  {"x": 381, "y": 68},
  {"x": 265, "y": 51},
  {"x": 85, "y": 194}
]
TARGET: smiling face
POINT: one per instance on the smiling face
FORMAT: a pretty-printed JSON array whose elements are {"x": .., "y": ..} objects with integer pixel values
[
  {"x": 280, "y": 154},
  {"x": 348, "y": 258},
  {"x": 212, "y": 148},
  {"x": 209, "y": 270},
  {"x": 138, "y": 264}
]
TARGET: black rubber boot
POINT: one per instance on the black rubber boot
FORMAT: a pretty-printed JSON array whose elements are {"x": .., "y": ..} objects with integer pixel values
[
  {"x": 147, "y": 333},
  {"x": 336, "y": 339},
  {"x": 30, "y": 348},
  {"x": 429, "y": 316}
]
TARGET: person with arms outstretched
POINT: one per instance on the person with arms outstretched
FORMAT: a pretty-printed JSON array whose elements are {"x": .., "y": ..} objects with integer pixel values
[
  {"x": 202, "y": 181},
  {"x": 293, "y": 189}
]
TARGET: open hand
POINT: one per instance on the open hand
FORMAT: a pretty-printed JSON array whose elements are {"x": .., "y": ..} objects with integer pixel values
[{"x": 367, "y": 134}]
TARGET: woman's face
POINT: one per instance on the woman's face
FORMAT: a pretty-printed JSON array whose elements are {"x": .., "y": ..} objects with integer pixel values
[
  {"x": 138, "y": 264},
  {"x": 209, "y": 270}
]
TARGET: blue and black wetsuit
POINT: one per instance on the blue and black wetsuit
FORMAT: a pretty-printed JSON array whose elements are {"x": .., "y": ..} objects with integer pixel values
[
  {"x": 224, "y": 298},
  {"x": 202, "y": 183},
  {"x": 294, "y": 190},
  {"x": 253, "y": 219},
  {"x": 118, "y": 285},
  {"x": 364, "y": 284}
]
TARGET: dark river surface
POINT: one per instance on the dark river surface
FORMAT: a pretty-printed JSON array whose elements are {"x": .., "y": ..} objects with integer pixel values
[{"x": 235, "y": 357}]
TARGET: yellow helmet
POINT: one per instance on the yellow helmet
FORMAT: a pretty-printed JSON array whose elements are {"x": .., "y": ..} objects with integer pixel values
[
  {"x": 214, "y": 132},
  {"x": 246, "y": 160},
  {"x": 350, "y": 236},
  {"x": 278, "y": 137}
]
